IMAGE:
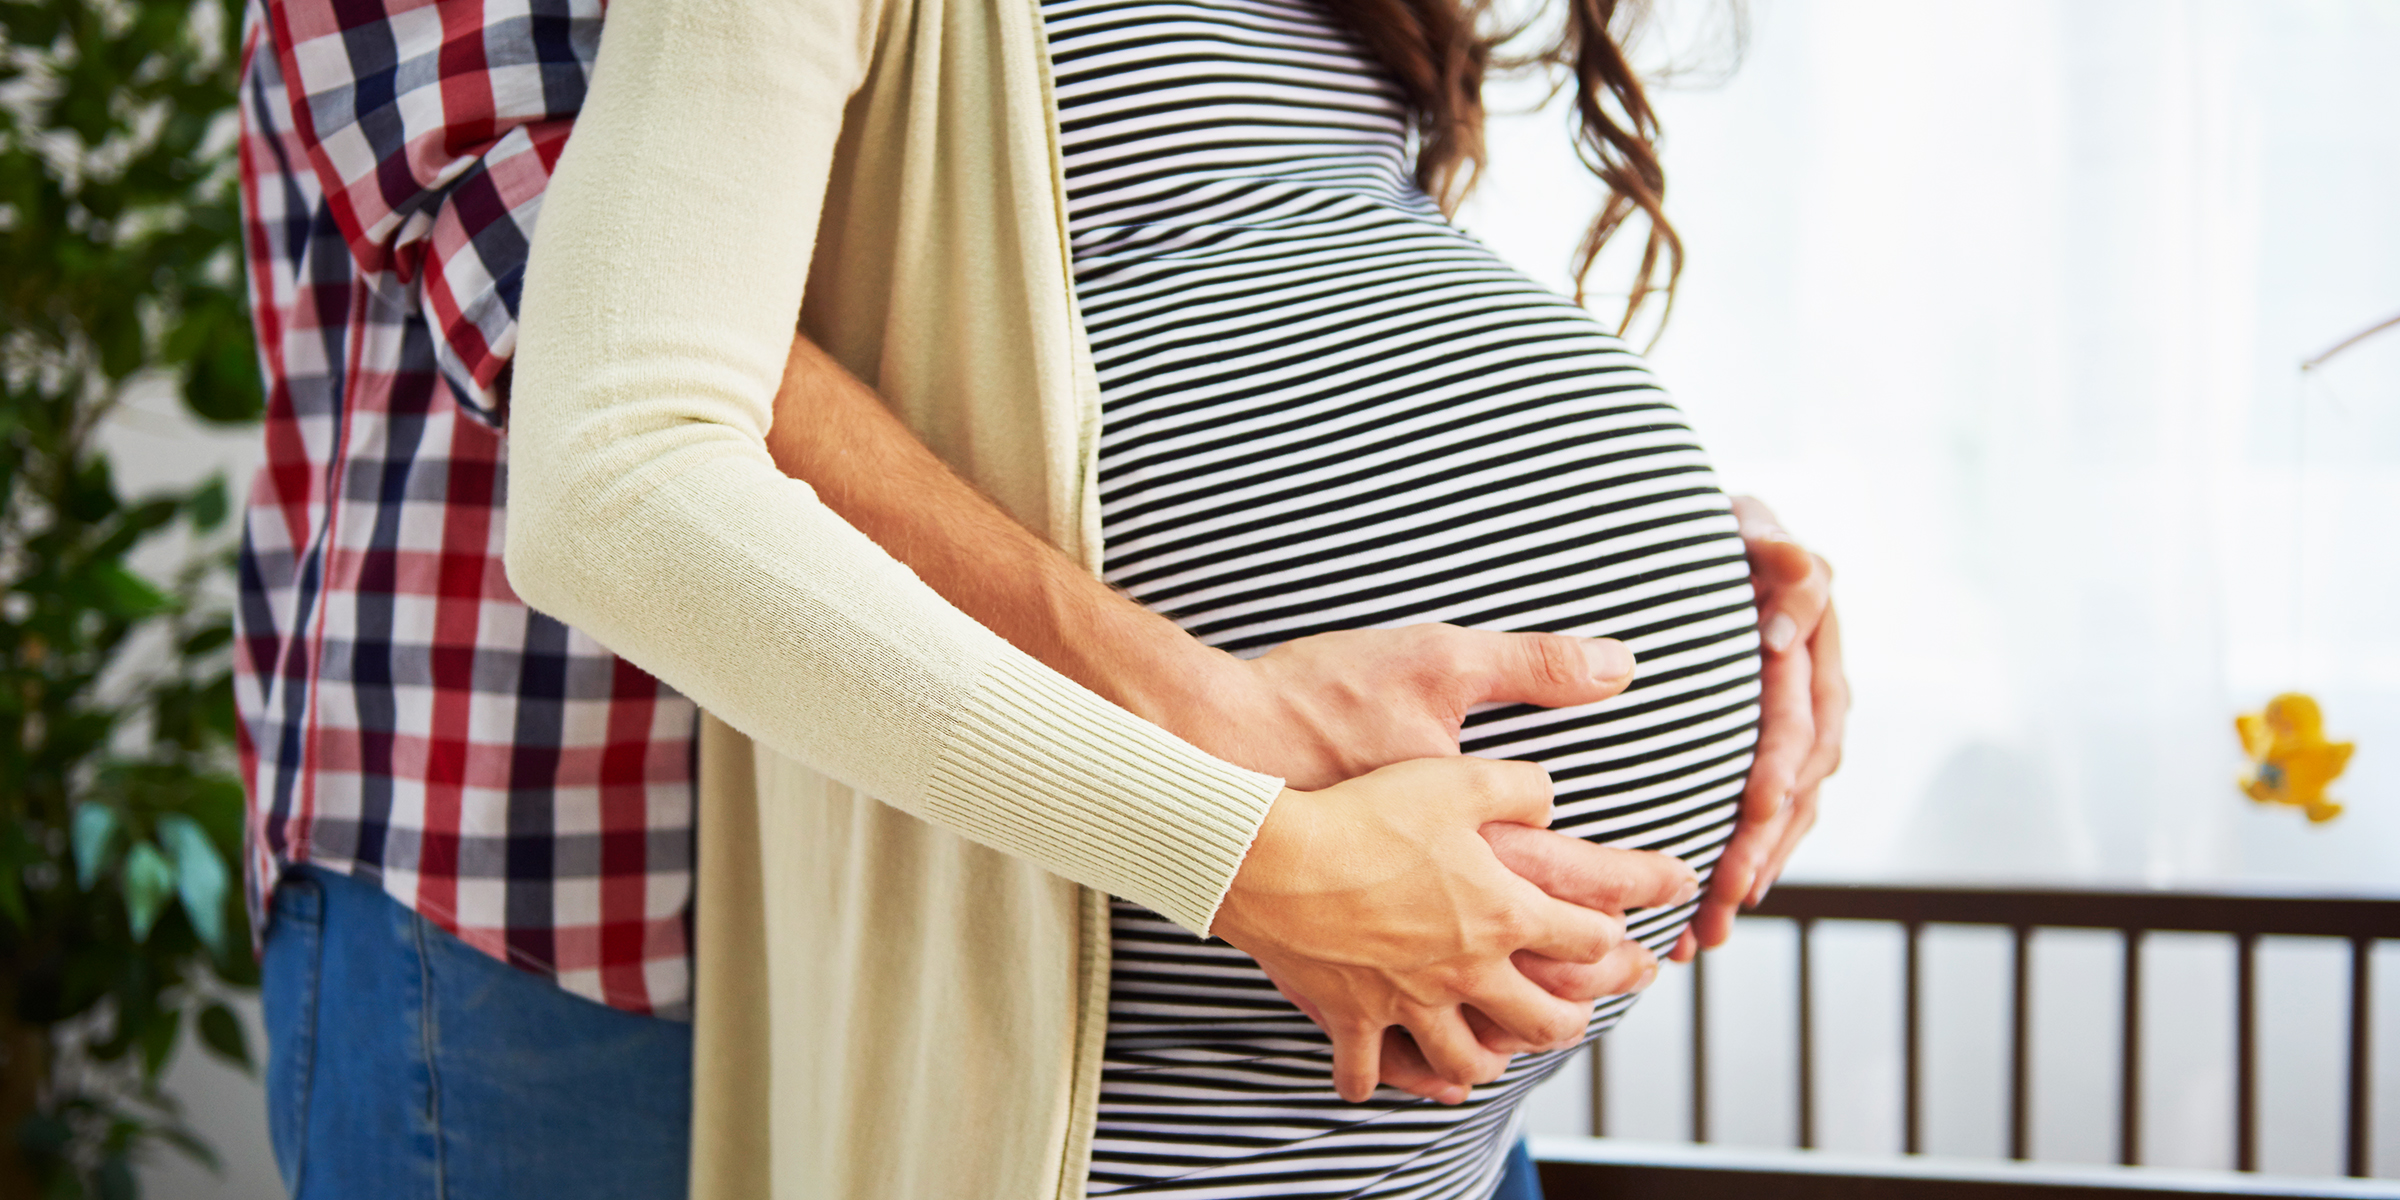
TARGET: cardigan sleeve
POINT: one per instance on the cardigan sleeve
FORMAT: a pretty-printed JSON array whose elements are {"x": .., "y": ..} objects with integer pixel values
[{"x": 660, "y": 301}]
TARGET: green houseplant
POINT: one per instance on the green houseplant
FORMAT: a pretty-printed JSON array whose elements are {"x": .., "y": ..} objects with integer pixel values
[{"x": 121, "y": 924}]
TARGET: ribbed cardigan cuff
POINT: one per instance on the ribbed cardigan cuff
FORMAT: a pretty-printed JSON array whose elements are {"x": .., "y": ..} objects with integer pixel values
[{"x": 1043, "y": 769}]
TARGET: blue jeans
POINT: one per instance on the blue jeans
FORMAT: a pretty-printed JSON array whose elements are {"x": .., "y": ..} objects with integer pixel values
[
  {"x": 403, "y": 1064},
  {"x": 1518, "y": 1180}
]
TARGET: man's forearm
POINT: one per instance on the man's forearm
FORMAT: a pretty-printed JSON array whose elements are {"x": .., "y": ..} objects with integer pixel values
[
  {"x": 832, "y": 431},
  {"x": 1317, "y": 712}
]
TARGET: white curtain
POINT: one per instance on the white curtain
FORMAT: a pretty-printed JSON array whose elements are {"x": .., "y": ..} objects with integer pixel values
[{"x": 2001, "y": 305}]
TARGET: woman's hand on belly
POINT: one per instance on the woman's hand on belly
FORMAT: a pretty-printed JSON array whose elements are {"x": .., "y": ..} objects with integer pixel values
[
  {"x": 1601, "y": 878},
  {"x": 1381, "y": 902},
  {"x": 1804, "y": 703}
]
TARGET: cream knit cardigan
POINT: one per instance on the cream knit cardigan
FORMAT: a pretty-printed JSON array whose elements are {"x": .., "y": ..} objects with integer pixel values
[{"x": 906, "y": 848}]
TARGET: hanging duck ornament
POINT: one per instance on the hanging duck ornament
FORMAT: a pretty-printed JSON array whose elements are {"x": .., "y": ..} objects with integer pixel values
[{"x": 2290, "y": 760}]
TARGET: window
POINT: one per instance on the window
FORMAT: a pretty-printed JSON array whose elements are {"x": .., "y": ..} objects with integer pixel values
[{"x": 2002, "y": 306}]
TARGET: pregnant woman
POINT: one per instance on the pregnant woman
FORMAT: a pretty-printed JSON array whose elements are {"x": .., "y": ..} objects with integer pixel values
[
  {"x": 1325, "y": 407},
  {"x": 1160, "y": 280}
]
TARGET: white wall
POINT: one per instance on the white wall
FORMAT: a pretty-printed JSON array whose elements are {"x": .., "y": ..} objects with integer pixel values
[
  {"x": 156, "y": 446},
  {"x": 228, "y": 1110}
]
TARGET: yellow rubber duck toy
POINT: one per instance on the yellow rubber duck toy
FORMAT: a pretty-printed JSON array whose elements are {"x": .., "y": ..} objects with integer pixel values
[{"x": 2292, "y": 761}]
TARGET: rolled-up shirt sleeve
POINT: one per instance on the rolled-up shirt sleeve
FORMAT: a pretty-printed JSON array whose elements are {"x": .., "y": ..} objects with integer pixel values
[{"x": 433, "y": 130}]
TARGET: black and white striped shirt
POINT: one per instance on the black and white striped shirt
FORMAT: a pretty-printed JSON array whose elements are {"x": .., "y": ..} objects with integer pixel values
[{"x": 1325, "y": 407}]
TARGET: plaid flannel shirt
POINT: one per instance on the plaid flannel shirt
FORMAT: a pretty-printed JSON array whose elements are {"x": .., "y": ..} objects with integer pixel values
[{"x": 406, "y": 717}]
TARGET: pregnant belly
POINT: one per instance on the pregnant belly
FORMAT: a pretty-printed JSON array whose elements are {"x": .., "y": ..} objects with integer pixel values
[
  {"x": 1476, "y": 452},
  {"x": 1469, "y": 449},
  {"x": 1577, "y": 505}
]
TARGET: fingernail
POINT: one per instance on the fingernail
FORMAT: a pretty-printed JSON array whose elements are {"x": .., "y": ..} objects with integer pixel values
[
  {"x": 1780, "y": 631},
  {"x": 1649, "y": 976},
  {"x": 1684, "y": 894},
  {"x": 1760, "y": 896},
  {"x": 1608, "y": 659}
]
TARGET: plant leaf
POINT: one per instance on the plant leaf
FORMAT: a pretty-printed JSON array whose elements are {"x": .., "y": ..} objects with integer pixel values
[
  {"x": 200, "y": 877},
  {"x": 207, "y": 505},
  {"x": 129, "y": 595},
  {"x": 94, "y": 836},
  {"x": 222, "y": 1032},
  {"x": 116, "y": 1179},
  {"x": 16, "y": 853},
  {"x": 149, "y": 880},
  {"x": 222, "y": 385},
  {"x": 216, "y": 801},
  {"x": 160, "y": 1030},
  {"x": 45, "y": 1133},
  {"x": 191, "y": 1145},
  {"x": 92, "y": 494},
  {"x": 208, "y": 638}
]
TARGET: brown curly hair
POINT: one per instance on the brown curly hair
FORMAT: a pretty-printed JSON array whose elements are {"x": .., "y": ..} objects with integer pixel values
[{"x": 1438, "y": 52}]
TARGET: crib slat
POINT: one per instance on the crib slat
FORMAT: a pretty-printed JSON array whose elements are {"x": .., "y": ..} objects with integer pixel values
[
  {"x": 1600, "y": 1086},
  {"x": 2245, "y": 1053},
  {"x": 2362, "y": 1013},
  {"x": 1700, "y": 1047},
  {"x": 1912, "y": 1067},
  {"x": 2020, "y": 1094},
  {"x": 1808, "y": 1041},
  {"x": 2129, "y": 1079}
]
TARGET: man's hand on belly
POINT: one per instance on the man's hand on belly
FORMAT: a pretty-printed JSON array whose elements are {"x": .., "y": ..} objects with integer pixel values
[{"x": 1336, "y": 706}]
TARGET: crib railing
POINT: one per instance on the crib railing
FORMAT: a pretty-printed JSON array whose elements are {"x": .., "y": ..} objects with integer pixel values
[
  {"x": 1598, "y": 1169},
  {"x": 2133, "y": 914}
]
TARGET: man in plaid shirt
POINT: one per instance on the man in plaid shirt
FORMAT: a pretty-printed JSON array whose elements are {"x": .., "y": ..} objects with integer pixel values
[
  {"x": 412, "y": 728},
  {"x": 444, "y": 783}
]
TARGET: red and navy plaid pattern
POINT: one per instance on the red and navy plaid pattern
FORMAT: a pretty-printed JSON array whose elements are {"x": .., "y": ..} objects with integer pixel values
[{"x": 406, "y": 717}]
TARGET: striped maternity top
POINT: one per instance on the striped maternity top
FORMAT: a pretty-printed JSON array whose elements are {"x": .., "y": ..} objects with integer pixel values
[{"x": 1325, "y": 407}]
